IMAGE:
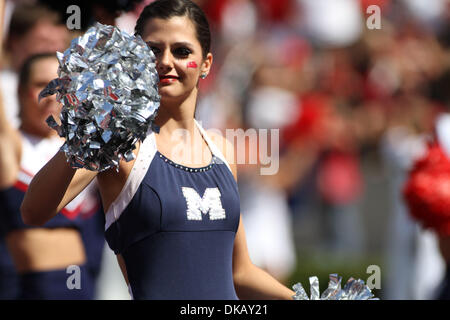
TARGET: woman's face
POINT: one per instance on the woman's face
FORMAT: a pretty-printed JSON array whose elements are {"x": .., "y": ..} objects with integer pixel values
[
  {"x": 33, "y": 113},
  {"x": 179, "y": 57}
]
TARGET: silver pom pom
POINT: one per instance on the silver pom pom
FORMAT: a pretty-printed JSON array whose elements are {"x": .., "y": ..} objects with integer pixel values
[
  {"x": 353, "y": 290},
  {"x": 108, "y": 85}
]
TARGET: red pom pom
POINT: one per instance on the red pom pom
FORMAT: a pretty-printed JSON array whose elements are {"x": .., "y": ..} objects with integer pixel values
[{"x": 427, "y": 191}]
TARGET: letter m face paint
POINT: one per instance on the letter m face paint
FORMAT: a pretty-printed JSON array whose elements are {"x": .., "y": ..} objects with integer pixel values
[{"x": 192, "y": 64}]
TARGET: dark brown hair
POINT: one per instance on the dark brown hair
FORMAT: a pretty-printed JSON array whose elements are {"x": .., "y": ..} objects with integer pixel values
[{"x": 166, "y": 9}]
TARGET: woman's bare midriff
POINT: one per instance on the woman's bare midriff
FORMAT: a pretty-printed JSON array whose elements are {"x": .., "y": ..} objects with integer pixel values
[{"x": 45, "y": 249}]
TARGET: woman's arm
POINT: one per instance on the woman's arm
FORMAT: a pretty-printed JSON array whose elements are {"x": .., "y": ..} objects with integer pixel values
[
  {"x": 251, "y": 282},
  {"x": 123, "y": 268},
  {"x": 52, "y": 188}
]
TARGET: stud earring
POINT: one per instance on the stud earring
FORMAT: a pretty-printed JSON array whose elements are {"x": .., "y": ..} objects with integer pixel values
[{"x": 203, "y": 76}]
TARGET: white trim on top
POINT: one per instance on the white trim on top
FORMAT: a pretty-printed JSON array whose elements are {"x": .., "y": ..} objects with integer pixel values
[
  {"x": 143, "y": 160},
  {"x": 212, "y": 146}
]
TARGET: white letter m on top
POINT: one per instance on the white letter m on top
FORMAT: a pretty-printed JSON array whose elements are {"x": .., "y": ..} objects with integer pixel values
[{"x": 209, "y": 203}]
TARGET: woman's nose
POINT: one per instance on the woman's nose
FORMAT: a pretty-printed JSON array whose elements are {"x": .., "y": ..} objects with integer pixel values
[{"x": 165, "y": 60}]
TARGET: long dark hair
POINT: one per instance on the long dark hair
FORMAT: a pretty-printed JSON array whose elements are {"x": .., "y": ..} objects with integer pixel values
[{"x": 165, "y": 9}]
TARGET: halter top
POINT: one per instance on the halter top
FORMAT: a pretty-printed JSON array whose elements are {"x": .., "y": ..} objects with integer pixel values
[{"x": 175, "y": 226}]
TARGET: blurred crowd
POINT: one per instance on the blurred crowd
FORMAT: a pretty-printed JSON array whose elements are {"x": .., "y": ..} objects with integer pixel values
[
  {"x": 346, "y": 99},
  {"x": 350, "y": 101}
]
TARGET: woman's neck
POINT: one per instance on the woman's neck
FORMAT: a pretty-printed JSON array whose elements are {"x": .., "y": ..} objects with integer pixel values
[{"x": 176, "y": 114}]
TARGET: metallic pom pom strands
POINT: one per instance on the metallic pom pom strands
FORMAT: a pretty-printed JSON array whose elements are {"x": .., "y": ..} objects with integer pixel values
[
  {"x": 108, "y": 85},
  {"x": 353, "y": 290}
]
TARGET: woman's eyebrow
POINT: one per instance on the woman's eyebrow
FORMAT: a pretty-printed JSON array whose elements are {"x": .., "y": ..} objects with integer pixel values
[
  {"x": 183, "y": 43},
  {"x": 178, "y": 44},
  {"x": 153, "y": 43}
]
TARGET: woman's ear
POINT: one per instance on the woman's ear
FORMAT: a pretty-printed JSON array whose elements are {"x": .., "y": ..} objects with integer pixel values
[{"x": 206, "y": 65}]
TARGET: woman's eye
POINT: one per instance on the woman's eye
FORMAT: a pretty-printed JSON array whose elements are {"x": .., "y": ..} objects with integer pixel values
[
  {"x": 184, "y": 52},
  {"x": 155, "y": 50}
]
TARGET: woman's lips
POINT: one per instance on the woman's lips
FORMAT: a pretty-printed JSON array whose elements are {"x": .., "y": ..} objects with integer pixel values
[{"x": 168, "y": 79}]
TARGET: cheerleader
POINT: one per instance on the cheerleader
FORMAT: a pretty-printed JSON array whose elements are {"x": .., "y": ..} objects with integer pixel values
[
  {"x": 42, "y": 255},
  {"x": 173, "y": 221}
]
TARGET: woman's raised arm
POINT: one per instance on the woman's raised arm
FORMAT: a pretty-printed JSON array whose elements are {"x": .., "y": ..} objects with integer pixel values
[{"x": 52, "y": 188}]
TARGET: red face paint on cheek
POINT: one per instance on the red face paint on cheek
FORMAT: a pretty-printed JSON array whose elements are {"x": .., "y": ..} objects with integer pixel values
[{"x": 192, "y": 64}]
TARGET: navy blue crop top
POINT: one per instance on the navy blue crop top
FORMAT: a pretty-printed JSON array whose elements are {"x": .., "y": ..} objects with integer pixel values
[
  {"x": 175, "y": 226},
  {"x": 36, "y": 152}
]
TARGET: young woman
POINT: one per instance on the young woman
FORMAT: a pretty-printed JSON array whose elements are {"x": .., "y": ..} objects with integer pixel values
[
  {"x": 173, "y": 220},
  {"x": 40, "y": 255}
]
